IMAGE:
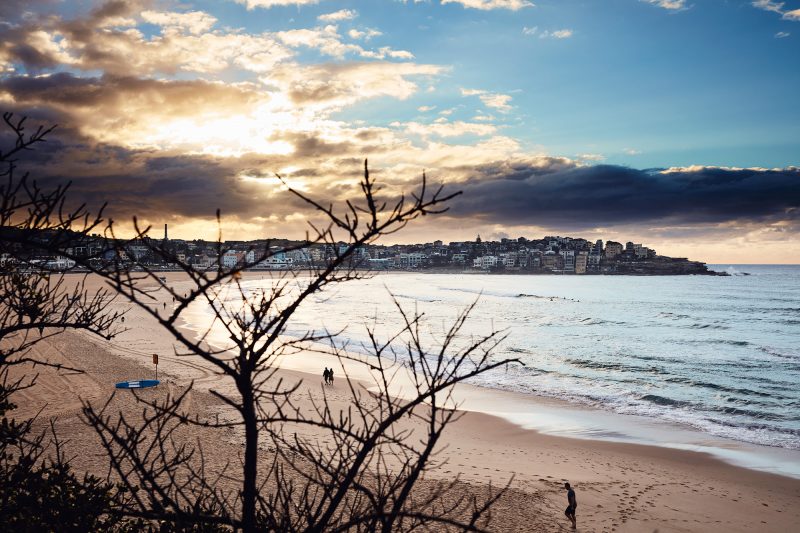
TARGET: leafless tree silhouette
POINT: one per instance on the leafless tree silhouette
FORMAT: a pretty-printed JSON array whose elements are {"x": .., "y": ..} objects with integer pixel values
[
  {"x": 358, "y": 465},
  {"x": 38, "y": 301}
]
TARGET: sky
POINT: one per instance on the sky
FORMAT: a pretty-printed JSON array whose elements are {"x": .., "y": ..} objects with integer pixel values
[{"x": 674, "y": 123}]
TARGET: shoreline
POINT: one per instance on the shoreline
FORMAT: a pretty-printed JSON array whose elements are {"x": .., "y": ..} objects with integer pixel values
[
  {"x": 442, "y": 271},
  {"x": 621, "y": 486},
  {"x": 560, "y": 417},
  {"x": 566, "y": 419}
]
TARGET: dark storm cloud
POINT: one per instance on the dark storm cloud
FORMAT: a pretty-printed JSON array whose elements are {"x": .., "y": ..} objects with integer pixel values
[
  {"x": 143, "y": 184},
  {"x": 12, "y": 10},
  {"x": 24, "y": 25},
  {"x": 307, "y": 144},
  {"x": 74, "y": 93},
  {"x": 566, "y": 195},
  {"x": 61, "y": 88}
]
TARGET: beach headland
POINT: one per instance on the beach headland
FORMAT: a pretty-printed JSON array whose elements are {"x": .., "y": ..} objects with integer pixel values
[{"x": 620, "y": 486}]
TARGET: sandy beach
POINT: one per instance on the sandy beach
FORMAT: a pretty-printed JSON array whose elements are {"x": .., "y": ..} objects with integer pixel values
[{"x": 620, "y": 487}]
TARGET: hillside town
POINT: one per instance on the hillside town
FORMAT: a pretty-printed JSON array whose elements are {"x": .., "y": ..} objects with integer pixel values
[{"x": 548, "y": 255}]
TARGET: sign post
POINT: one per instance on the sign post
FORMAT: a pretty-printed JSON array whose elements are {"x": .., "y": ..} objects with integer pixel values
[{"x": 155, "y": 362}]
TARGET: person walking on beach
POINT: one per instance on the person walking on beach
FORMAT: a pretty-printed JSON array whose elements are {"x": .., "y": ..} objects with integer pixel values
[
  {"x": 573, "y": 503},
  {"x": 330, "y": 376},
  {"x": 325, "y": 375}
]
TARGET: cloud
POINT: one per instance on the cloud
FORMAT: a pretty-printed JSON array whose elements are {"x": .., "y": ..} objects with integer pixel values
[
  {"x": 108, "y": 40},
  {"x": 97, "y": 43},
  {"x": 143, "y": 183},
  {"x": 367, "y": 34},
  {"x": 777, "y": 7},
  {"x": 448, "y": 129},
  {"x": 192, "y": 115},
  {"x": 13, "y": 10},
  {"x": 340, "y": 84},
  {"x": 769, "y": 5},
  {"x": 252, "y": 4},
  {"x": 782, "y": 34},
  {"x": 556, "y": 34},
  {"x": 547, "y": 34},
  {"x": 671, "y": 5},
  {"x": 562, "y": 193},
  {"x": 194, "y": 21},
  {"x": 487, "y": 5},
  {"x": 328, "y": 41},
  {"x": 170, "y": 114},
  {"x": 496, "y": 101},
  {"x": 792, "y": 15},
  {"x": 155, "y": 185},
  {"x": 142, "y": 100},
  {"x": 342, "y": 14},
  {"x": 503, "y": 189}
]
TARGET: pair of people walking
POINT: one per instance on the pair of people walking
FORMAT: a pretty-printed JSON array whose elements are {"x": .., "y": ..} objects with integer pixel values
[{"x": 327, "y": 375}]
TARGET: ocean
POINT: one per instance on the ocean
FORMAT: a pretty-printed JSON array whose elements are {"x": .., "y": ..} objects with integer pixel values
[{"x": 717, "y": 355}]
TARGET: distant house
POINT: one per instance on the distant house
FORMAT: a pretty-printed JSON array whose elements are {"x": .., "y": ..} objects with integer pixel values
[
  {"x": 412, "y": 260},
  {"x": 613, "y": 249},
  {"x": 581, "y": 262},
  {"x": 569, "y": 260},
  {"x": 231, "y": 258},
  {"x": 59, "y": 263},
  {"x": 485, "y": 262}
]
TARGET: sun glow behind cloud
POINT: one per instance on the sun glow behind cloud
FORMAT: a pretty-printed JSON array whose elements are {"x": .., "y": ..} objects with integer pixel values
[{"x": 226, "y": 137}]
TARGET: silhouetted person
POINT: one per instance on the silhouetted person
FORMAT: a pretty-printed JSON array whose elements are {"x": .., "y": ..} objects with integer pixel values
[
  {"x": 330, "y": 376},
  {"x": 573, "y": 504},
  {"x": 326, "y": 375}
]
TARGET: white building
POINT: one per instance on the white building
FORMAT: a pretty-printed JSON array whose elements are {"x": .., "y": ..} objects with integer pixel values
[
  {"x": 485, "y": 262},
  {"x": 59, "y": 263},
  {"x": 569, "y": 260},
  {"x": 231, "y": 258},
  {"x": 412, "y": 260},
  {"x": 509, "y": 260}
]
